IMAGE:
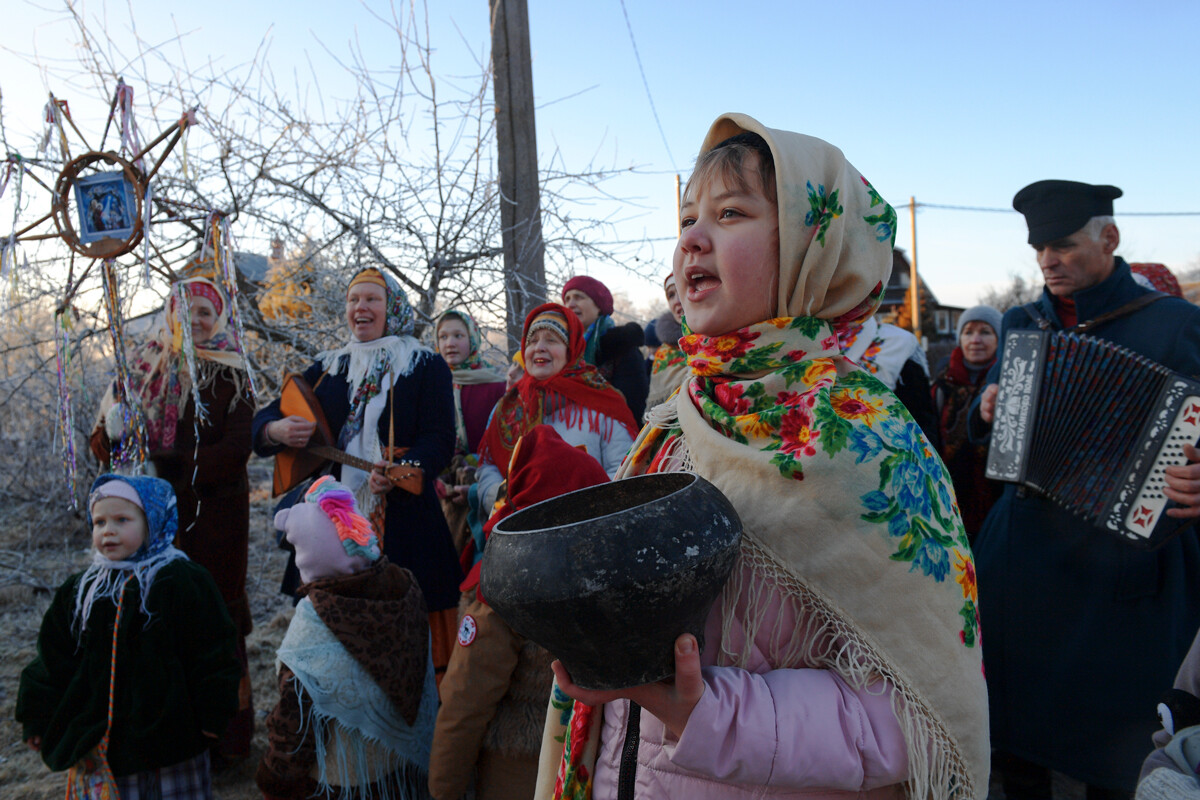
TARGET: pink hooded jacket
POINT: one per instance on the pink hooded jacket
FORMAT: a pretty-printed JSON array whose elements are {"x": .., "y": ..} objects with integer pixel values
[{"x": 760, "y": 732}]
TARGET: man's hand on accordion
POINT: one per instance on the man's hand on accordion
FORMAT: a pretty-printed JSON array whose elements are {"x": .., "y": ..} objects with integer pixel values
[
  {"x": 987, "y": 403},
  {"x": 1183, "y": 485}
]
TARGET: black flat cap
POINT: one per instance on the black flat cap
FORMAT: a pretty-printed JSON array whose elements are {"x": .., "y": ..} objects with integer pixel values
[{"x": 1054, "y": 209}]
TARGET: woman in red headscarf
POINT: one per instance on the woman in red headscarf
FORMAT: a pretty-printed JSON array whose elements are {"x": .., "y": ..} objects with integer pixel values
[{"x": 559, "y": 389}]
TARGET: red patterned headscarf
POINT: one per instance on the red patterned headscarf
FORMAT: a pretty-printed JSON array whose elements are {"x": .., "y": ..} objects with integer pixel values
[
  {"x": 1159, "y": 277},
  {"x": 578, "y": 383},
  {"x": 207, "y": 290}
]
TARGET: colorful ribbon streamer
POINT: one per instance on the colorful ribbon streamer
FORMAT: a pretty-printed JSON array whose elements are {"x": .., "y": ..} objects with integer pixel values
[
  {"x": 131, "y": 449},
  {"x": 130, "y": 139},
  {"x": 53, "y": 115},
  {"x": 148, "y": 208},
  {"x": 66, "y": 414},
  {"x": 188, "y": 348},
  {"x": 220, "y": 237}
]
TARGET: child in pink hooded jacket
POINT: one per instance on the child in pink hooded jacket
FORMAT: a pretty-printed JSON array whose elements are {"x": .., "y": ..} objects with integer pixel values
[{"x": 843, "y": 658}]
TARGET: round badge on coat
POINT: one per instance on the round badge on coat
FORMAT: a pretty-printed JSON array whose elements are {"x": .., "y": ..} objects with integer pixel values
[{"x": 467, "y": 630}]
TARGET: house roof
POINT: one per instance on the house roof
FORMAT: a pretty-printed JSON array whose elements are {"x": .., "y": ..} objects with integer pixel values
[
  {"x": 897, "y": 286},
  {"x": 252, "y": 265}
]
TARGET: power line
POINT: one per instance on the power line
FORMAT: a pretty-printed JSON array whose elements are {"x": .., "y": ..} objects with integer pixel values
[
  {"x": 938, "y": 206},
  {"x": 649, "y": 97},
  {"x": 1118, "y": 215}
]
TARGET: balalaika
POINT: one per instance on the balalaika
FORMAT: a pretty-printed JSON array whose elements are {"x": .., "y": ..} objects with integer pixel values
[{"x": 1092, "y": 426}]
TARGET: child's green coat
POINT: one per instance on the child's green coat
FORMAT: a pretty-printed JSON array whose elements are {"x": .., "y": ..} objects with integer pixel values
[{"x": 175, "y": 677}]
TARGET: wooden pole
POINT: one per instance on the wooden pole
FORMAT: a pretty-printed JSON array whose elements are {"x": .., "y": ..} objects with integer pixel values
[
  {"x": 516, "y": 139},
  {"x": 678, "y": 204},
  {"x": 914, "y": 280}
]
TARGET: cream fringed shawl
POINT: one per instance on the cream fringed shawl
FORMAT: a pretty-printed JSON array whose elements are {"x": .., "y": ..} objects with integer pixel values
[{"x": 880, "y": 559}]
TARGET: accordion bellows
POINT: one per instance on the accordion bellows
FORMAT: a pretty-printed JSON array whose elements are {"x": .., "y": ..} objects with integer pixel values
[{"x": 1092, "y": 426}]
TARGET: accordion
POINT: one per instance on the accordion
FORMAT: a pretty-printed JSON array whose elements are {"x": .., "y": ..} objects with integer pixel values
[{"x": 1091, "y": 426}]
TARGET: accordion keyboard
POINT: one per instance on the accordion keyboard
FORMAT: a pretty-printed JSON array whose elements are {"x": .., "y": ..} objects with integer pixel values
[{"x": 1151, "y": 502}]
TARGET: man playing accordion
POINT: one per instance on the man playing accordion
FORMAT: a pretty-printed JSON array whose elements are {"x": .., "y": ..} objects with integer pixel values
[{"x": 1082, "y": 631}]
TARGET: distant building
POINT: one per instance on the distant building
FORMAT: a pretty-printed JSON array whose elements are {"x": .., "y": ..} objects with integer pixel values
[
  {"x": 252, "y": 267},
  {"x": 938, "y": 321}
]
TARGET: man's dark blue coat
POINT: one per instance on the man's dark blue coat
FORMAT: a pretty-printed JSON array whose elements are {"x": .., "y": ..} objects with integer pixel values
[{"x": 1081, "y": 632}]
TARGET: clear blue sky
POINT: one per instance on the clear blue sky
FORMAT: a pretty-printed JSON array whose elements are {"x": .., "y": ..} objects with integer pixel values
[{"x": 955, "y": 103}]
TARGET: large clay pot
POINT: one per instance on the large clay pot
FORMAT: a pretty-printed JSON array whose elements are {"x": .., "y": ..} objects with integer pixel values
[{"x": 606, "y": 578}]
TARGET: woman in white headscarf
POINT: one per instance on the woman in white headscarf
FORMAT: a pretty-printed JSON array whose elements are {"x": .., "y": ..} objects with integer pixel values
[{"x": 384, "y": 390}]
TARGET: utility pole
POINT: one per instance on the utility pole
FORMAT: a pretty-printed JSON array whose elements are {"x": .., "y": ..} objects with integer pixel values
[
  {"x": 678, "y": 204},
  {"x": 914, "y": 280},
  {"x": 516, "y": 139}
]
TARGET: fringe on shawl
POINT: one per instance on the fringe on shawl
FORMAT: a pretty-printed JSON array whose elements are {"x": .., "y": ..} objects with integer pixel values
[
  {"x": 390, "y": 778},
  {"x": 207, "y": 372},
  {"x": 104, "y": 579},
  {"x": 576, "y": 414},
  {"x": 673, "y": 457},
  {"x": 401, "y": 354},
  {"x": 936, "y": 770}
]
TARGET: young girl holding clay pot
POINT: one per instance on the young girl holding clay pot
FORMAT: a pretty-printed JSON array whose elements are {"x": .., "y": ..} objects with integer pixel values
[{"x": 843, "y": 658}]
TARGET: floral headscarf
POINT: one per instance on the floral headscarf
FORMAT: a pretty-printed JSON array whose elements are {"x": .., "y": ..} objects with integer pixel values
[
  {"x": 578, "y": 383},
  {"x": 105, "y": 578},
  {"x": 1158, "y": 276},
  {"x": 669, "y": 366},
  {"x": 162, "y": 365},
  {"x": 818, "y": 193},
  {"x": 398, "y": 311},
  {"x": 846, "y": 507},
  {"x": 473, "y": 368},
  {"x": 881, "y": 349}
]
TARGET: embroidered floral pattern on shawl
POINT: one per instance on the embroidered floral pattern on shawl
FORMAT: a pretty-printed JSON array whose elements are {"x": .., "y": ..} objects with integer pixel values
[
  {"x": 802, "y": 409},
  {"x": 807, "y": 410},
  {"x": 848, "y": 337},
  {"x": 665, "y": 357}
]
